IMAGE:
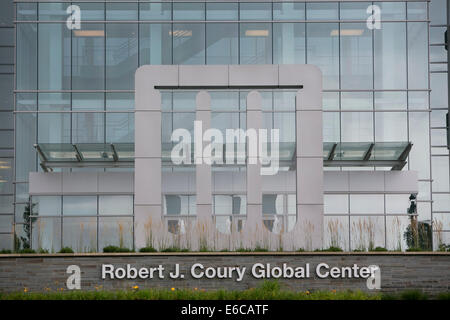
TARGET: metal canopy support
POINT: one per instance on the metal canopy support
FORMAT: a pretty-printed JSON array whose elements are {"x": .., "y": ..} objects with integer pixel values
[
  {"x": 332, "y": 152},
  {"x": 115, "y": 155},
  {"x": 368, "y": 152},
  {"x": 78, "y": 153}
]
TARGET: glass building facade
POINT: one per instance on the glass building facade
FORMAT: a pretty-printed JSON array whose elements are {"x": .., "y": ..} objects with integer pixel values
[{"x": 77, "y": 86}]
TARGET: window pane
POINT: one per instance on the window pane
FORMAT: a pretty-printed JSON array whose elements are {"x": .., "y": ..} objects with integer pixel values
[
  {"x": 79, "y": 205},
  {"x": 121, "y": 11},
  {"x": 6, "y": 203},
  {"x": 391, "y": 126},
  {"x": 322, "y": 11},
  {"x": 121, "y": 56},
  {"x": 26, "y": 12},
  {"x": 417, "y": 55},
  {"x": 46, "y": 206},
  {"x": 335, "y": 203},
  {"x": 418, "y": 100},
  {"x": 221, "y": 43},
  {"x": 438, "y": 10},
  {"x": 88, "y": 101},
  {"x": 390, "y": 56},
  {"x": 6, "y": 175},
  {"x": 323, "y": 51},
  {"x": 289, "y": 43},
  {"x": 26, "y": 56},
  {"x": 188, "y": 43},
  {"x": 115, "y": 232},
  {"x": 188, "y": 11},
  {"x": 288, "y": 11},
  {"x": 336, "y": 232},
  {"x": 392, "y": 10},
  {"x": 54, "y": 57},
  {"x": 119, "y": 127},
  {"x": 88, "y": 58},
  {"x": 115, "y": 205},
  {"x": 331, "y": 127},
  {"x": 155, "y": 11},
  {"x": 224, "y": 100},
  {"x": 7, "y": 91},
  {"x": 46, "y": 233},
  {"x": 88, "y": 127},
  {"x": 439, "y": 90},
  {"x": 179, "y": 205},
  {"x": 356, "y": 100},
  {"x": 440, "y": 174},
  {"x": 119, "y": 101},
  {"x": 91, "y": 11},
  {"x": 54, "y": 101},
  {"x": 354, "y": 11},
  {"x": 80, "y": 234},
  {"x": 255, "y": 11},
  {"x": 273, "y": 204},
  {"x": 255, "y": 43},
  {"x": 228, "y": 204},
  {"x": 221, "y": 11},
  {"x": 357, "y": 126},
  {"x": 6, "y": 139},
  {"x": 389, "y": 100},
  {"x": 155, "y": 44},
  {"x": 417, "y": 10},
  {"x": 366, "y": 204},
  {"x": 356, "y": 56},
  {"x": 53, "y": 11},
  {"x": 54, "y": 128},
  {"x": 367, "y": 233},
  {"x": 25, "y": 139}
]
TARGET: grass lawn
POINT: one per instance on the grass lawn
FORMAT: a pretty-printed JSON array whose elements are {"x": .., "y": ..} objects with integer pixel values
[{"x": 269, "y": 290}]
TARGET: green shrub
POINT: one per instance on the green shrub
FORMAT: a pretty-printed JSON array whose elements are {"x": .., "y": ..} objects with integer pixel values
[
  {"x": 379, "y": 249},
  {"x": 444, "y": 296},
  {"x": 443, "y": 247},
  {"x": 110, "y": 249},
  {"x": 413, "y": 249},
  {"x": 260, "y": 249},
  {"x": 330, "y": 249},
  {"x": 413, "y": 295},
  {"x": 26, "y": 250},
  {"x": 243, "y": 250},
  {"x": 148, "y": 249},
  {"x": 5, "y": 251},
  {"x": 66, "y": 250},
  {"x": 300, "y": 250},
  {"x": 175, "y": 249},
  {"x": 43, "y": 251}
]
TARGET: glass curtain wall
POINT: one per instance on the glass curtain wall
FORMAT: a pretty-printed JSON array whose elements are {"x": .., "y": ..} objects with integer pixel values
[{"x": 376, "y": 81}]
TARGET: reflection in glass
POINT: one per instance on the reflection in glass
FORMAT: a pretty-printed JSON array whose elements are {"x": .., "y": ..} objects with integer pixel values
[
  {"x": 222, "y": 43},
  {"x": 46, "y": 233},
  {"x": 188, "y": 43},
  {"x": 115, "y": 231},
  {"x": 289, "y": 43},
  {"x": 54, "y": 56},
  {"x": 255, "y": 43},
  {"x": 80, "y": 234},
  {"x": 121, "y": 56},
  {"x": 88, "y": 58}
]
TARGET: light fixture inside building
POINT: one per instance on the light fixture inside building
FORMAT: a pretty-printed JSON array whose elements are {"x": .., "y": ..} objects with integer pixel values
[
  {"x": 89, "y": 33},
  {"x": 347, "y": 32},
  {"x": 181, "y": 33},
  {"x": 257, "y": 33}
]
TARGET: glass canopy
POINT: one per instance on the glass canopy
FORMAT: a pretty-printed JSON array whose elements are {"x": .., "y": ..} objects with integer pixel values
[{"x": 343, "y": 154}]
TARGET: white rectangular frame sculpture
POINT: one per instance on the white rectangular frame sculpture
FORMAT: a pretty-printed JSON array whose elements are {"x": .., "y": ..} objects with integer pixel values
[{"x": 149, "y": 225}]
